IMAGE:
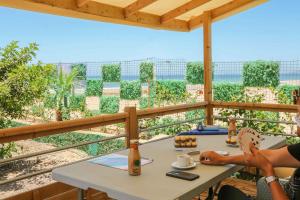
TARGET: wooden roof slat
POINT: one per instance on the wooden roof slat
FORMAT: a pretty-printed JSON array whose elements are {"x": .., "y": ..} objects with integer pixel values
[
  {"x": 81, "y": 3},
  {"x": 182, "y": 9},
  {"x": 136, "y": 6},
  {"x": 175, "y": 14},
  {"x": 95, "y": 11},
  {"x": 228, "y": 9}
]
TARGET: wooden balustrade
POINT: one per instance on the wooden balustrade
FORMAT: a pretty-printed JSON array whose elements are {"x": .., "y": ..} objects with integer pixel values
[
  {"x": 40, "y": 130},
  {"x": 130, "y": 118},
  {"x": 256, "y": 106}
]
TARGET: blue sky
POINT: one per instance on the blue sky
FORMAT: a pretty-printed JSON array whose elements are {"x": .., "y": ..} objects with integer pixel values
[{"x": 270, "y": 31}]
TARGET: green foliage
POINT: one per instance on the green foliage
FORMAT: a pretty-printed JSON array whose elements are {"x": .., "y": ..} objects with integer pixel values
[
  {"x": 251, "y": 114},
  {"x": 170, "y": 91},
  {"x": 49, "y": 101},
  {"x": 261, "y": 74},
  {"x": 94, "y": 88},
  {"x": 194, "y": 114},
  {"x": 21, "y": 83},
  {"x": 173, "y": 129},
  {"x": 146, "y": 72},
  {"x": 66, "y": 139},
  {"x": 284, "y": 93},
  {"x": 77, "y": 102},
  {"x": 111, "y": 73},
  {"x": 227, "y": 91},
  {"x": 130, "y": 89},
  {"x": 81, "y": 71},
  {"x": 109, "y": 104},
  {"x": 143, "y": 102},
  {"x": 195, "y": 73},
  {"x": 62, "y": 87},
  {"x": 6, "y": 150}
]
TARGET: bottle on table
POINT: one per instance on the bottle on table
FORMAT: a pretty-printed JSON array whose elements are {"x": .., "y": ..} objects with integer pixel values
[{"x": 134, "y": 159}]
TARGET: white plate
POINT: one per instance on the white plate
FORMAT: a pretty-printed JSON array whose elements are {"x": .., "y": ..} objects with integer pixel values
[
  {"x": 174, "y": 165},
  {"x": 222, "y": 153}
]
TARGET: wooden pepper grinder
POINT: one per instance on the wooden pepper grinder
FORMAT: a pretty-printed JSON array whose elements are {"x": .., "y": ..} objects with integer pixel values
[{"x": 232, "y": 131}]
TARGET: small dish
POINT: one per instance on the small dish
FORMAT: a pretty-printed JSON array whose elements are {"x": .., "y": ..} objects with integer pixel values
[
  {"x": 174, "y": 165},
  {"x": 222, "y": 153}
]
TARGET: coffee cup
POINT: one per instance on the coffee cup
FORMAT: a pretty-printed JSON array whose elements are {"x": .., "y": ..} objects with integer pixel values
[{"x": 184, "y": 160}]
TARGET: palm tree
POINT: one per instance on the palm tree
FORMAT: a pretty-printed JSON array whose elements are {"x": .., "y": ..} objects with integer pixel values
[{"x": 63, "y": 86}]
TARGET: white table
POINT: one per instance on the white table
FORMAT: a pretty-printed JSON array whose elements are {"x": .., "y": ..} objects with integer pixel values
[{"x": 153, "y": 183}]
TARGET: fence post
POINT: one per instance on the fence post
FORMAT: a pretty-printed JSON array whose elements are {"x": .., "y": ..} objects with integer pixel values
[
  {"x": 131, "y": 125},
  {"x": 207, "y": 65}
]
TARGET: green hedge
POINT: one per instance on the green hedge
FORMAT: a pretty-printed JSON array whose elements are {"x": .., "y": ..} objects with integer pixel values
[
  {"x": 49, "y": 101},
  {"x": 77, "y": 102},
  {"x": 81, "y": 68},
  {"x": 94, "y": 88},
  {"x": 111, "y": 72},
  {"x": 195, "y": 73},
  {"x": 146, "y": 72},
  {"x": 143, "y": 102},
  {"x": 227, "y": 91},
  {"x": 109, "y": 104},
  {"x": 261, "y": 74},
  {"x": 130, "y": 89},
  {"x": 170, "y": 90},
  {"x": 284, "y": 93}
]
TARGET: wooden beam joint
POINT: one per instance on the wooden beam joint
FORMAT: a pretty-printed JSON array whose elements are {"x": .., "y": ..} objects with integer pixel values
[
  {"x": 182, "y": 10},
  {"x": 81, "y": 3},
  {"x": 136, "y": 6}
]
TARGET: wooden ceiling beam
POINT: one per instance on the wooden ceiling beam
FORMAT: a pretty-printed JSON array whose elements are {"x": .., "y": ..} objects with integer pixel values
[
  {"x": 182, "y": 9},
  {"x": 226, "y": 10},
  {"x": 81, "y": 3},
  {"x": 95, "y": 11},
  {"x": 136, "y": 6}
]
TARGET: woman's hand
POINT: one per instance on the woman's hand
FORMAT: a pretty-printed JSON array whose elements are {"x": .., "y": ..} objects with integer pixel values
[
  {"x": 257, "y": 159},
  {"x": 211, "y": 158}
]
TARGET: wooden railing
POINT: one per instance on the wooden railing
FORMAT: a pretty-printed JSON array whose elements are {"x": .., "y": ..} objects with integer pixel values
[{"x": 130, "y": 117}]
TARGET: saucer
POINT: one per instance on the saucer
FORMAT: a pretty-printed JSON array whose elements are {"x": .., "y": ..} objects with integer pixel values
[{"x": 174, "y": 165}]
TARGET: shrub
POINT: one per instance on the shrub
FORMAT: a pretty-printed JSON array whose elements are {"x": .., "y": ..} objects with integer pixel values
[
  {"x": 71, "y": 138},
  {"x": 81, "y": 71},
  {"x": 94, "y": 88},
  {"x": 195, "y": 73},
  {"x": 49, "y": 101},
  {"x": 261, "y": 74},
  {"x": 130, "y": 89},
  {"x": 227, "y": 91},
  {"x": 109, "y": 104},
  {"x": 195, "y": 114},
  {"x": 284, "y": 93},
  {"x": 111, "y": 72},
  {"x": 77, "y": 102},
  {"x": 143, "y": 102},
  {"x": 146, "y": 72},
  {"x": 170, "y": 91}
]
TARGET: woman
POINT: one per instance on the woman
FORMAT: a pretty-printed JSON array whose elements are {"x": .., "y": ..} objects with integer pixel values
[{"x": 266, "y": 160}]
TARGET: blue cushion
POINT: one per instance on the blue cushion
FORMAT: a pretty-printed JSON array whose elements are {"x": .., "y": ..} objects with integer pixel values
[{"x": 220, "y": 131}]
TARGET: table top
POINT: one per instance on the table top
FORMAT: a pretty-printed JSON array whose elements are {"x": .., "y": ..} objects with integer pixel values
[{"x": 153, "y": 183}]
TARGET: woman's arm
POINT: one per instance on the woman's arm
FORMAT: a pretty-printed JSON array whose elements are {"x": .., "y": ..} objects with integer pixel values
[
  {"x": 278, "y": 158},
  {"x": 281, "y": 158}
]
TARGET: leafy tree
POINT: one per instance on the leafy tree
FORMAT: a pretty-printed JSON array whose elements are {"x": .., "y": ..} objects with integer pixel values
[{"x": 21, "y": 83}]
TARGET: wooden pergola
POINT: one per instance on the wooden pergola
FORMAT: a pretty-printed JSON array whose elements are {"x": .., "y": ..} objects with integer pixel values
[{"x": 173, "y": 15}]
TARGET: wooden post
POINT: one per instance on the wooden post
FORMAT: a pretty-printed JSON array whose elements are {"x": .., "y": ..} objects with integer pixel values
[
  {"x": 131, "y": 125},
  {"x": 207, "y": 65}
]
